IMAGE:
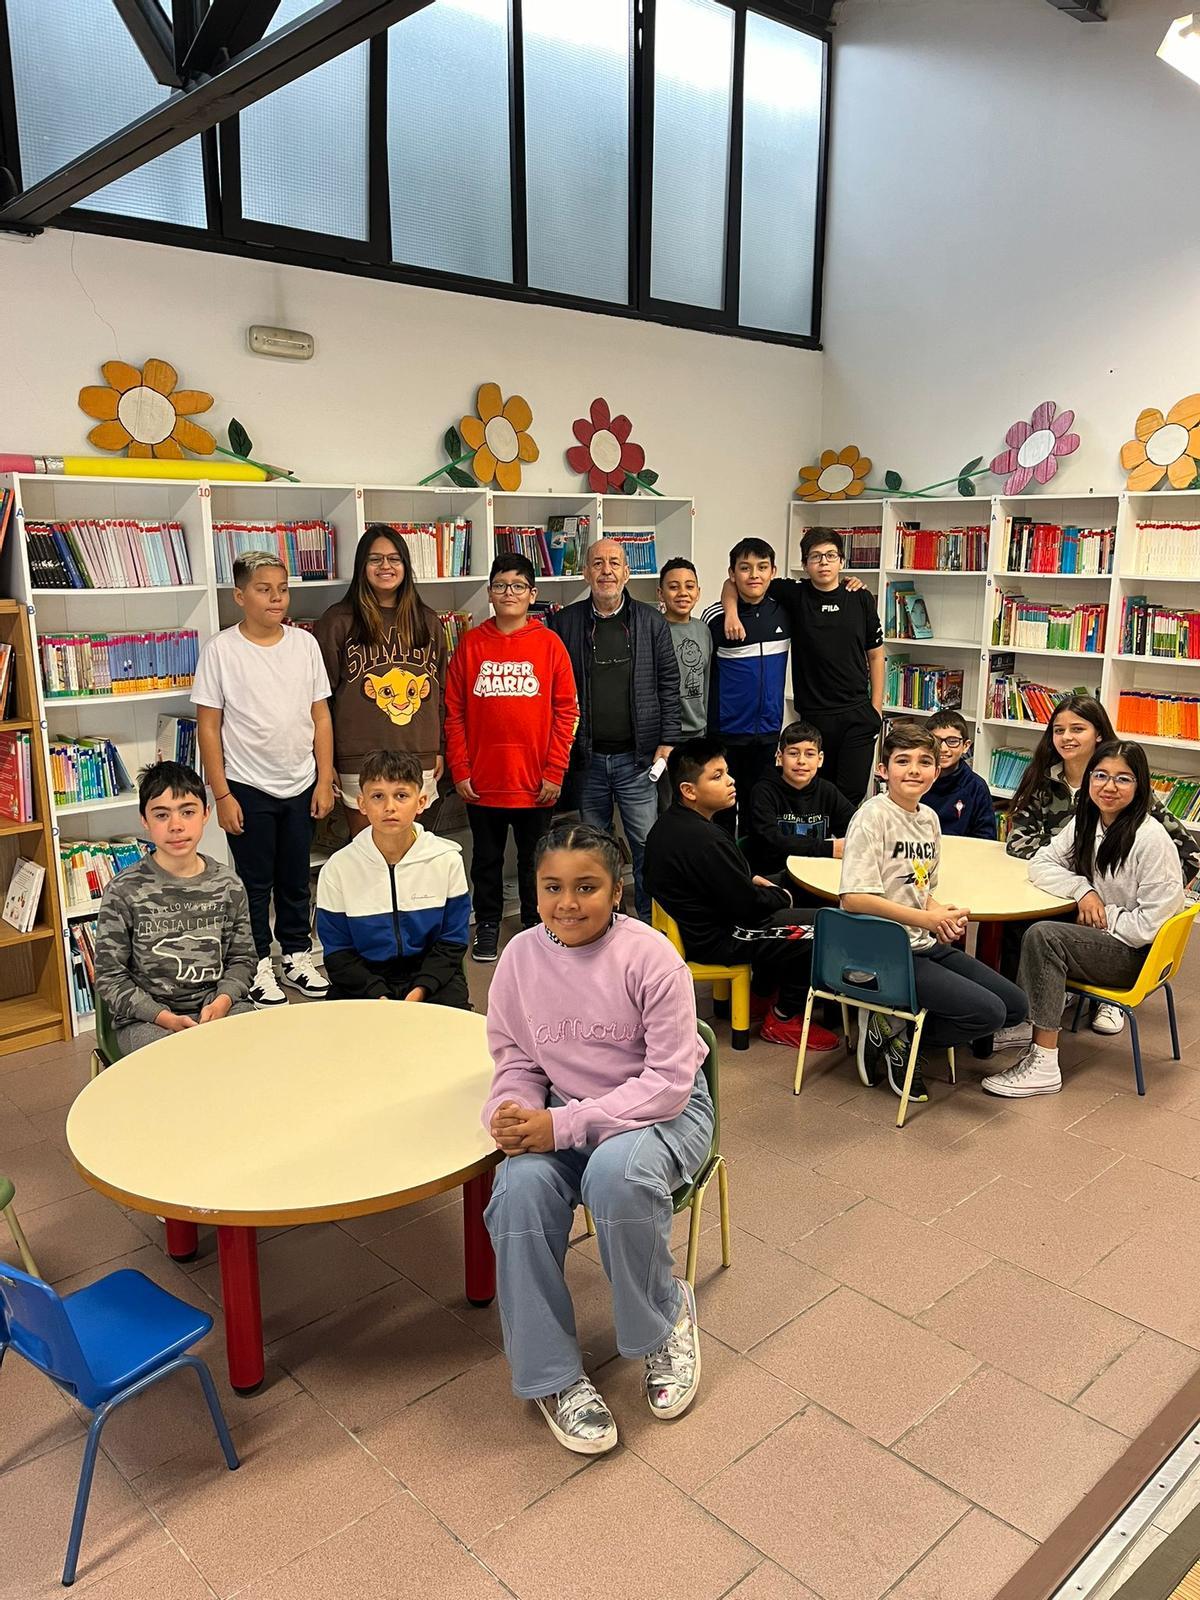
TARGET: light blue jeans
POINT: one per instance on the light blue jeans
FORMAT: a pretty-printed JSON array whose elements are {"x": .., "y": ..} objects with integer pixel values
[
  {"x": 623, "y": 781},
  {"x": 626, "y": 1183}
]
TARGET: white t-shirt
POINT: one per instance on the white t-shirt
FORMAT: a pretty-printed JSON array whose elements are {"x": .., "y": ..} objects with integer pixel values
[
  {"x": 894, "y": 853},
  {"x": 266, "y": 694}
]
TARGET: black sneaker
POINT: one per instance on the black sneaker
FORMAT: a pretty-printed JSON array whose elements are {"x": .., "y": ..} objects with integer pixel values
[
  {"x": 895, "y": 1056},
  {"x": 487, "y": 942},
  {"x": 874, "y": 1032}
]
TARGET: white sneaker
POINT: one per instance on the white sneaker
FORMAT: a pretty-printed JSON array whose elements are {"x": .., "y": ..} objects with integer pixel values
[
  {"x": 1108, "y": 1019},
  {"x": 1018, "y": 1037},
  {"x": 300, "y": 972},
  {"x": 265, "y": 990},
  {"x": 1032, "y": 1074}
]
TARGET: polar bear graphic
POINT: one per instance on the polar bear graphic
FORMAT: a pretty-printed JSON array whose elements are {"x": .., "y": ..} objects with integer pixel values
[{"x": 197, "y": 956}]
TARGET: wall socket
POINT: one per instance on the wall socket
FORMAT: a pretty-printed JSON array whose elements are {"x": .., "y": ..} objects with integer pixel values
[{"x": 289, "y": 343}]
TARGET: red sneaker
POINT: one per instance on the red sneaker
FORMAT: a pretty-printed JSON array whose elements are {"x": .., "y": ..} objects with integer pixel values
[{"x": 787, "y": 1030}]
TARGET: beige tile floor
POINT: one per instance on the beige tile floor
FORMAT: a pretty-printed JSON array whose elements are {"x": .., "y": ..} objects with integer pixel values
[{"x": 929, "y": 1346}]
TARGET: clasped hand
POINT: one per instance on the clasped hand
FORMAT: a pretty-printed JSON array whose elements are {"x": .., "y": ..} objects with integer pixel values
[{"x": 518, "y": 1130}]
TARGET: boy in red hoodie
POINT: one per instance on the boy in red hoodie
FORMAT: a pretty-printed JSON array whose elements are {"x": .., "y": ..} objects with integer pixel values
[{"x": 510, "y": 719}]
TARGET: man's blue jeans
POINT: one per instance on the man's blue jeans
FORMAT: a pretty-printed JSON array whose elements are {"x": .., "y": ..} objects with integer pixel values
[{"x": 622, "y": 780}]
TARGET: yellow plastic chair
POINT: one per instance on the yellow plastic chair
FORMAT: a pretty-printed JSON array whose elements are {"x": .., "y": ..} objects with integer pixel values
[
  {"x": 691, "y": 1195},
  {"x": 1160, "y": 966},
  {"x": 867, "y": 962},
  {"x": 730, "y": 985},
  {"x": 10, "y": 1216}
]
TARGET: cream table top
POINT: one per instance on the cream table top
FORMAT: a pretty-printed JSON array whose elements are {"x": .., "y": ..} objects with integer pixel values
[
  {"x": 302, "y": 1113},
  {"x": 975, "y": 873}
]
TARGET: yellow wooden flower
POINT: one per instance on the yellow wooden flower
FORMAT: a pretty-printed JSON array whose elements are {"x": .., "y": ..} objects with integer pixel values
[
  {"x": 1169, "y": 445},
  {"x": 145, "y": 413},
  {"x": 498, "y": 437},
  {"x": 839, "y": 475}
]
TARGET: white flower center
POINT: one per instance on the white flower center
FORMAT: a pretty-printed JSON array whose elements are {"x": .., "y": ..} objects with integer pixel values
[
  {"x": 146, "y": 414},
  {"x": 501, "y": 439},
  {"x": 835, "y": 478},
  {"x": 1167, "y": 444},
  {"x": 1036, "y": 448},
  {"x": 605, "y": 450}
]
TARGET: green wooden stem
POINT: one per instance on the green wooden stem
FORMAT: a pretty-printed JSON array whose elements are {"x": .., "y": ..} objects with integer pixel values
[
  {"x": 457, "y": 462},
  {"x": 263, "y": 466},
  {"x": 637, "y": 478}
]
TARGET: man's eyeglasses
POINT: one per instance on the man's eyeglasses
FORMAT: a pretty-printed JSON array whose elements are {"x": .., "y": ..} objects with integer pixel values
[
  {"x": 510, "y": 588},
  {"x": 385, "y": 561},
  {"x": 820, "y": 558},
  {"x": 1119, "y": 780}
]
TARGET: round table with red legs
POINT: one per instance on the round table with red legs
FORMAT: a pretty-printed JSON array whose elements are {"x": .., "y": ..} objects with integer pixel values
[{"x": 304, "y": 1113}]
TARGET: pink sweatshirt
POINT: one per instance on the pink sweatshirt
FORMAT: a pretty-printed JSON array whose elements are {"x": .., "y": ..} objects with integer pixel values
[{"x": 610, "y": 1027}]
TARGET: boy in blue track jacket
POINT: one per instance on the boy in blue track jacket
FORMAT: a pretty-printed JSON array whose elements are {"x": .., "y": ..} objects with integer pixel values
[
  {"x": 749, "y": 679},
  {"x": 392, "y": 905},
  {"x": 960, "y": 796}
]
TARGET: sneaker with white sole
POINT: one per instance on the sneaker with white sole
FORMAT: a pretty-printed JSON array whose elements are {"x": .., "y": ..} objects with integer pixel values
[
  {"x": 673, "y": 1371},
  {"x": 265, "y": 990},
  {"x": 300, "y": 972},
  {"x": 1018, "y": 1037},
  {"x": 894, "y": 1061},
  {"x": 1108, "y": 1019},
  {"x": 874, "y": 1031},
  {"x": 579, "y": 1419},
  {"x": 1031, "y": 1075}
]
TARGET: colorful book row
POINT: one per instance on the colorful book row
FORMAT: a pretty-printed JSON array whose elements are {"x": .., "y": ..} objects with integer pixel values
[
  {"x": 921, "y": 686},
  {"x": 1045, "y": 548},
  {"x": 940, "y": 549},
  {"x": 1021, "y": 623},
  {"x": 89, "y": 865},
  {"x": 117, "y": 663},
  {"x": 81, "y": 948},
  {"x": 107, "y": 554},
  {"x": 1169, "y": 549},
  {"x": 86, "y": 769},
  {"x": 438, "y": 549},
  {"x": 16, "y": 777},
  {"x": 1159, "y": 632},
  {"x": 1169, "y": 716},
  {"x": 307, "y": 549}
]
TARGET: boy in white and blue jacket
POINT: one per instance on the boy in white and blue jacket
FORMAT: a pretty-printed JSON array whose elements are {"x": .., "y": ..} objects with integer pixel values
[{"x": 392, "y": 906}]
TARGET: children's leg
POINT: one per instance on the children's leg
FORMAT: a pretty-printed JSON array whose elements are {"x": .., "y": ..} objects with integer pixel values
[
  {"x": 965, "y": 999},
  {"x": 1052, "y": 952},
  {"x": 253, "y": 852},
  {"x": 489, "y": 835},
  {"x": 293, "y": 849},
  {"x": 136, "y": 1034},
  {"x": 528, "y": 826},
  {"x": 529, "y": 1219},
  {"x": 627, "y": 1186}
]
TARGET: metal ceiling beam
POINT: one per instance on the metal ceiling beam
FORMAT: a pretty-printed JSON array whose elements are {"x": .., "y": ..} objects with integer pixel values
[
  {"x": 147, "y": 25},
  {"x": 1082, "y": 10},
  {"x": 228, "y": 28},
  {"x": 316, "y": 37}
]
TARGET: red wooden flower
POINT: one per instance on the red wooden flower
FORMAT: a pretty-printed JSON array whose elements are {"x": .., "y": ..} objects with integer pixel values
[{"x": 605, "y": 451}]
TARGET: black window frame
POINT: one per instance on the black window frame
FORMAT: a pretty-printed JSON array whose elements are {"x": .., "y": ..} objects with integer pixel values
[{"x": 229, "y": 232}]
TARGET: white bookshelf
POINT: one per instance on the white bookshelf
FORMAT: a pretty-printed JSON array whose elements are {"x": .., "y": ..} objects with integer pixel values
[
  {"x": 962, "y": 605},
  {"x": 131, "y": 720}
]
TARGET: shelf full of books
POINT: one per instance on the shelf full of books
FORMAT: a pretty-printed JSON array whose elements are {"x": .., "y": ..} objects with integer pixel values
[{"x": 125, "y": 579}]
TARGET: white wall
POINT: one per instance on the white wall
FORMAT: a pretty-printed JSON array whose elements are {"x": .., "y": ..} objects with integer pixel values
[
  {"x": 1012, "y": 219},
  {"x": 725, "y": 420}
]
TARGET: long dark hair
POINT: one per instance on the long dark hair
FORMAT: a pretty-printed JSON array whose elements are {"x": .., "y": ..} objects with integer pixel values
[
  {"x": 412, "y": 614},
  {"x": 1045, "y": 755},
  {"x": 582, "y": 836},
  {"x": 1118, "y": 840}
]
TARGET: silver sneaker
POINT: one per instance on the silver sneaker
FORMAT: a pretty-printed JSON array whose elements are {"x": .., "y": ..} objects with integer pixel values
[
  {"x": 673, "y": 1372},
  {"x": 579, "y": 1419},
  {"x": 1028, "y": 1076}
]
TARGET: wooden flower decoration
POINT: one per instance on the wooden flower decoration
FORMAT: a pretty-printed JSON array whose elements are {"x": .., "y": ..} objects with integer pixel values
[
  {"x": 1169, "y": 445},
  {"x": 606, "y": 454},
  {"x": 839, "y": 475},
  {"x": 144, "y": 413},
  {"x": 498, "y": 437},
  {"x": 1034, "y": 447}
]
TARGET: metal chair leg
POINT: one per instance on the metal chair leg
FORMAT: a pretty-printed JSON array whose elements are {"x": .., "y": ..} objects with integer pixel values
[
  {"x": 846, "y": 1028},
  {"x": 1078, "y": 1014},
  {"x": 950, "y": 1054},
  {"x": 800, "y": 1054},
  {"x": 589, "y": 1223},
  {"x": 723, "y": 1197},
  {"x": 82, "y": 1494},
  {"x": 693, "y": 1249},
  {"x": 914, "y": 1047},
  {"x": 1171, "y": 1019},
  {"x": 1137, "y": 1052},
  {"x": 98, "y": 1063},
  {"x": 214, "y": 1406},
  {"x": 22, "y": 1243}
]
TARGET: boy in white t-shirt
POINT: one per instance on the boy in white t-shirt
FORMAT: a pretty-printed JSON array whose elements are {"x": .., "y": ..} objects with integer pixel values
[
  {"x": 266, "y": 741},
  {"x": 889, "y": 869}
]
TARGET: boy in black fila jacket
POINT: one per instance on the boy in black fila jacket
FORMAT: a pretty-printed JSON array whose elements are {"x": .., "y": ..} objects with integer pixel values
[
  {"x": 699, "y": 876},
  {"x": 794, "y": 811}
]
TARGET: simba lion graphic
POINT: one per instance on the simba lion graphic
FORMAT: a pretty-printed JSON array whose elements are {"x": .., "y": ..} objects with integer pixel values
[{"x": 397, "y": 692}]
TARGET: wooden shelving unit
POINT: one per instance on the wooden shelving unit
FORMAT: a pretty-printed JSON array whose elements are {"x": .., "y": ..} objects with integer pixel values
[{"x": 34, "y": 1003}]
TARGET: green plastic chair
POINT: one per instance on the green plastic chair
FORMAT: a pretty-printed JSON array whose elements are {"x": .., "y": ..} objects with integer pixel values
[
  {"x": 107, "y": 1051},
  {"x": 691, "y": 1195},
  {"x": 10, "y": 1216}
]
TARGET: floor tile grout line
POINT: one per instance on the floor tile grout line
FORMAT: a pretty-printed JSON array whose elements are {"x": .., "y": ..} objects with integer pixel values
[{"x": 925, "y": 1554}]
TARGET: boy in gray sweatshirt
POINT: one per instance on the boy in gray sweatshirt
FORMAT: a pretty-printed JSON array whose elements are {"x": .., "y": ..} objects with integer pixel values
[{"x": 173, "y": 943}]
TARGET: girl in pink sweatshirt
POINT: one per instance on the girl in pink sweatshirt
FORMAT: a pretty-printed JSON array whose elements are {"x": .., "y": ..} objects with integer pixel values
[{"x": 597, "y": 1096}]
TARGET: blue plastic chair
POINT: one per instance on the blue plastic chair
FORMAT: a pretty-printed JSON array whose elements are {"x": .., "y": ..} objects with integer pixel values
[
  {"x": 103, "y": 1345},
  {"x": 864, "y": 961}
]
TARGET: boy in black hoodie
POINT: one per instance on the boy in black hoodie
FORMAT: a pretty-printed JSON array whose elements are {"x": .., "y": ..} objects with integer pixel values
[
  {"x": 960, "y": 796},
  {"x": 727, "y": 916},
  {"x": 794, "y": 811}
]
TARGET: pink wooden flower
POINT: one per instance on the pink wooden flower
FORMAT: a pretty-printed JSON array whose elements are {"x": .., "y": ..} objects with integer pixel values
[
  {"x": 605, "y": 451},
  {"x": 1035, "y": 446}
]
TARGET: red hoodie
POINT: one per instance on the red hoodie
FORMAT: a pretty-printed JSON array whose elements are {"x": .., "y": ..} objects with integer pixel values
[{"x": 510, "y": 712}]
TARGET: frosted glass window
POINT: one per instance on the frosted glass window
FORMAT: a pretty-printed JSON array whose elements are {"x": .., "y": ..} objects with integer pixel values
[
  {"x": 79, "y": 79},
  {"x": 781, "y": 151},
  {"x": 448, "y": 144},
  {"x": 693, "y": 92},
  {"x": 577, "y": 145},
  {"x": 304, "y": 148}
]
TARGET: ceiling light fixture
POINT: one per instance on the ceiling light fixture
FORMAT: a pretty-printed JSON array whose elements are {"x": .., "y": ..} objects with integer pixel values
[{"x": 1181, "y": 47}]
